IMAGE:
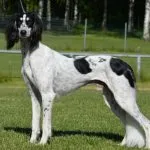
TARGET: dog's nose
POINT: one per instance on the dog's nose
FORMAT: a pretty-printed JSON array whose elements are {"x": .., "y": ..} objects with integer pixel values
[{"x": 23, "y": 32}]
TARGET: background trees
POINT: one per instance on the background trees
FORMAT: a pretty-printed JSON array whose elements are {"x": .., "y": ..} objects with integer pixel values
[
  {"x": 130, "y": 16},
  {"x": 146, "y": 34},
  {"x": 104, "y": 14}
]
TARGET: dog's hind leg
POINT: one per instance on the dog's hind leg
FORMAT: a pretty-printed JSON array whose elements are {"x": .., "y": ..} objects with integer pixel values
[
  {"x": 134, "y": 136},
  {"x": 133, "y": 130},
  {"x": 111, "y": 103},
  {"x": 136, "y": 123}
]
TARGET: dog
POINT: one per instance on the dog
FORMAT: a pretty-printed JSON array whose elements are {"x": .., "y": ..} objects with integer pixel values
[{"x": 48, "y": 74}]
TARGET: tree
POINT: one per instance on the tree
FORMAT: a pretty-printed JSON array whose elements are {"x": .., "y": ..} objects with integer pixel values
[
  {"x": 146, "y": 34},
  {"x": 40, "y": 9},
  {"x": 104, "y": 21},
  {"x": 30, "y": 5},
  {"x": 48, "y": 27},
  {"x": 96, "y": 11},
  {"x": 66, "y": 20},
  {"x": 75, "y": 12},
  {"x": 130, "y": 16}
]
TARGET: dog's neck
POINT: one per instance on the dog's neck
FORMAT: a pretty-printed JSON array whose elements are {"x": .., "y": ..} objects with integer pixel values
[{"x": 27, "y": 46}]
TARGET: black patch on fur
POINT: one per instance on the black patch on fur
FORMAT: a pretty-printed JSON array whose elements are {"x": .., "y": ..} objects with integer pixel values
[
  {"x": 11, "y": 32},
  {"x": 36, "y": 33},
  {"x": 82, "y": 66},
  {"x": 122, "y": 68}
]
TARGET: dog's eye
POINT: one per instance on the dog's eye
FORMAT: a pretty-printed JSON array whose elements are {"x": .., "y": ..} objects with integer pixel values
[
  {"x": 29, "y": 22},
  {"x": 19, "y": 22}
]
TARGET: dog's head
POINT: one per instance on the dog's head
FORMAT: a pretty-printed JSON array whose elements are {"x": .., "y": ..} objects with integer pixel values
[{"x": 23, "y": 26}]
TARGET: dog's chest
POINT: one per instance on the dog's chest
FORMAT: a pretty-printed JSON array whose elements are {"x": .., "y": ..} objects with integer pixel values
[{"x": 26, "y": 68}]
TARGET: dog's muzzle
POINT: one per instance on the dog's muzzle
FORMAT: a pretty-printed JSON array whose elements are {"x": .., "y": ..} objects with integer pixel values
[{"x": 24, "y": 33}]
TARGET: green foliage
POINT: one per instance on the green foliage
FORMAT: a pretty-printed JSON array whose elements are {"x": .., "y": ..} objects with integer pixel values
[
  {"x": 93, "y": 10},
  {"x": 31, "y": 5}
]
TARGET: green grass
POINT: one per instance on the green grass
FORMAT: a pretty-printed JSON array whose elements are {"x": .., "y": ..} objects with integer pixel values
[
  {"x": 109, "y": 42},
  {"x": 81, "y": 120},
  {"x": 11, "y": 66},
  {"x": 95, "y": 43}
]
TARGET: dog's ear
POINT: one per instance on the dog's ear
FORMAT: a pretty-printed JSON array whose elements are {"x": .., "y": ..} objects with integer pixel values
[
  {"x": 36, "y": 35},
  {"x": 11, "y": 32}
]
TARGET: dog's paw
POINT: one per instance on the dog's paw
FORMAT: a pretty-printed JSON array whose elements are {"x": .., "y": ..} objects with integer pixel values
[
  {"x": 43, "y": 142},
  {"x": 33, "y": 140}
]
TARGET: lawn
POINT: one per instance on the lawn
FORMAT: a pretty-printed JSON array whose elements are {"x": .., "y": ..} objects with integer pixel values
[
  {"x": 96, "y": 42},
  {"x": 10, "y": 65},
  {"x": 81, "y": 120}
]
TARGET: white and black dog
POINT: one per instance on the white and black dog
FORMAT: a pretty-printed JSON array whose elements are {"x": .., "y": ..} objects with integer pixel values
[{"x": 47, "y": 74}]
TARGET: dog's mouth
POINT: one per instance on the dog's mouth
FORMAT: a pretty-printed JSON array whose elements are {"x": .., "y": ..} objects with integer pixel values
[{"x": 23, "y": 36}]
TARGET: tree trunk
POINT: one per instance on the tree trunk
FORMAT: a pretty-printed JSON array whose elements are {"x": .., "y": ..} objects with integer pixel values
[
  {"x": 146, "y": 34},
  {"x": 48, "y": 27},
  {"x": 104, "y": 21},
  {"x": 130, "y": 17},
  {"x": 40, "y": 10},
  {"x": 66, "y": 20},
  {"x": 80, "y": 18},
  {"x": 75, "y": 12}
]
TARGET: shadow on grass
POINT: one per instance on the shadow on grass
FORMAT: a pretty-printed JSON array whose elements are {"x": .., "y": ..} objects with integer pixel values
[
  {"x": 59, "y": 133},
  {"x": 26, "y": 131}
]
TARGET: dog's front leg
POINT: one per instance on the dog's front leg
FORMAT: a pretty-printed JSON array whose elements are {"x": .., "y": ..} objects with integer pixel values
[
  {"x": 36, "y": 108},
  {"x": 47, "y": 101}
]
